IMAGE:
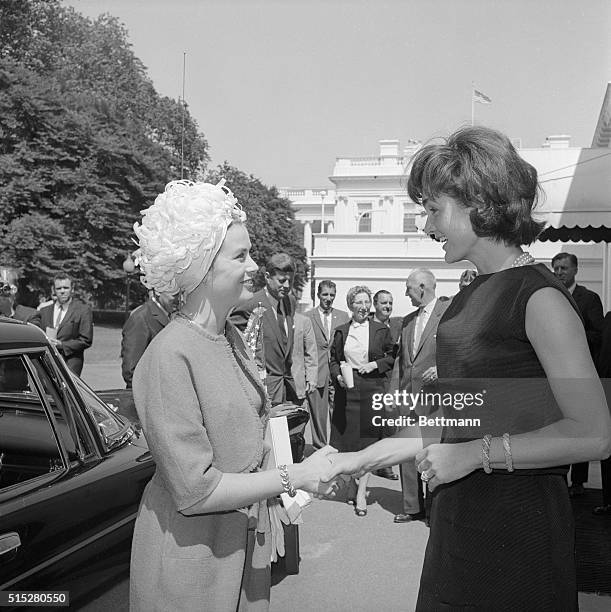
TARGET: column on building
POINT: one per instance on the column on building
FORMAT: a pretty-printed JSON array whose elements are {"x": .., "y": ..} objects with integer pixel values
[
  {"x": 307, "y": 238},
  {"x": 341, "y": 215}
]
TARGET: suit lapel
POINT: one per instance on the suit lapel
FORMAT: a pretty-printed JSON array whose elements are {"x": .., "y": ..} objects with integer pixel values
[
  {"x": 159, "y": 315},
  {"x": 431, "y": 324},
  {"x": 290, "y": 325},
  {"x": 372, "y": 335},
  {"x": 318, "y": 321},
  {"x": 408, "y": 337},
  {"x": 269, "y": 315}
]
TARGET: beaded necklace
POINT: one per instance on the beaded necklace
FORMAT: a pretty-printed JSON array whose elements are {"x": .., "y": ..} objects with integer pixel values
[{"x": 524, "y": 259}]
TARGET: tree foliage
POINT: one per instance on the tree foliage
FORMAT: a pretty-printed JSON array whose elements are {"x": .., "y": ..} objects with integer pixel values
[
  {"x": 85, "y": 144},
  {"x": 269, "y": 218}
]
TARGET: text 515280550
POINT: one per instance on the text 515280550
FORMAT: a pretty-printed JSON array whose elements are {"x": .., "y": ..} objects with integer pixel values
[{"x": 34, "y": 598}]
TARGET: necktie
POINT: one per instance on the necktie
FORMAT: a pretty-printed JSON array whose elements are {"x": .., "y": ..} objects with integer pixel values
[
  {"x": 58, "y": 318},
  {"x": 419, "y": 328},
  {"x": 328, "y": 324},
  {"x": 282, "y": 324}
]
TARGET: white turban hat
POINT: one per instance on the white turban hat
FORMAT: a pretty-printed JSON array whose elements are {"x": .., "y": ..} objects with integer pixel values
[{"x": 182, "y": 232}]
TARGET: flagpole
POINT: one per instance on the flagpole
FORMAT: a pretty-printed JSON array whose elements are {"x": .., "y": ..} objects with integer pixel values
[
  {"x": 182, "y": 132},
  {"x": 472, "y": 104}
]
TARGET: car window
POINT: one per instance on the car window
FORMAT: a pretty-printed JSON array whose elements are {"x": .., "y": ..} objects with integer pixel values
[
  {"x": 28, "y": 445},
  {"x": 109, "y": 425},
  {"x": 65, "y": 409}
]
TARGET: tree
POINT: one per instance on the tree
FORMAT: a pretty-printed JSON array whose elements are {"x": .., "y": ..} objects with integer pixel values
[
  {"x": 269, "y": 218},
  {"x": 85, "y": 144}
]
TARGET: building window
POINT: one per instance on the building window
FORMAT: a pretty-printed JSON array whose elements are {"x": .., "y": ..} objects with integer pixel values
[
  {"x": 409, "y": 223},
  {"x": 364, "y": 217}
]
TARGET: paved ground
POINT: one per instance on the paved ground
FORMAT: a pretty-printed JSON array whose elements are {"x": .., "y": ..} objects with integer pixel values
[{"x": 348, "y": 563}]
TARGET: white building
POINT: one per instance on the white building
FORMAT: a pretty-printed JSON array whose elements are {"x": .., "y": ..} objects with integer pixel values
[{"x": 363, "y": 231}]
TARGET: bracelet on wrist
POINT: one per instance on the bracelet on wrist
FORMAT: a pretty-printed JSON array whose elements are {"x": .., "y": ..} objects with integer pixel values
[
  {"x": 287, "y": 485},
  {"x": 507, "y": 449},
  {"x": 486, "y": 441}
]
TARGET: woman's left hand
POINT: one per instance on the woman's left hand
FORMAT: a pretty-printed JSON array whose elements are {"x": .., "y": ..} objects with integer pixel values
[
  {"x": 368, "y": 367},
  {"x": 441, "y": 463}
]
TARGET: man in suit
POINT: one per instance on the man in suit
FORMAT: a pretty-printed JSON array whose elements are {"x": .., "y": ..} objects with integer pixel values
[
  {"x": 304, "y": 366},
  {"x": 10, "y": 308},
  {"x": 276, "y": 327},
  {"x": 142, "y": 325},
  {"x": 71, "y": 322},
  {"x": 565, "y": 266},
  {"x": 414, "y": 369},
  {"x": 324, "y": 319},
  {"x": 382, "y": 303}
]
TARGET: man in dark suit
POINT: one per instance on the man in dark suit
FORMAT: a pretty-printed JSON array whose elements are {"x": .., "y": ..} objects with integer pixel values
[
  {"x": 382, "y": 303},
  {"x": 68, "y": 323},
  {"x": 10, "y": 308},
  {"x": 565, "y": 266},
  {"x": 415, "y": 369},
  {"x": 324, "y": 319},
  {"x": 142, "y": 325},
  {"x": 276, "y": 326}
]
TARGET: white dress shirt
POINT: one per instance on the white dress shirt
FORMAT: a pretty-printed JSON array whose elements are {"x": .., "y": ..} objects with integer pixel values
[
  {"x": 327, "y": 320},
  {"x": 59, "y": 310},
  {"x": 356, "y": 348}
]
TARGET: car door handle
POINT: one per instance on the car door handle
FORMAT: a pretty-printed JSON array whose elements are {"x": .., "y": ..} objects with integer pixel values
[{"x": 9, "y": 542}]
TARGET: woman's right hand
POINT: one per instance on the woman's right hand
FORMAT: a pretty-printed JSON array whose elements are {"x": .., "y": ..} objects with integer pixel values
[
  {"x": 340, "y": 382},
  {"x": 309, "y": 474}
]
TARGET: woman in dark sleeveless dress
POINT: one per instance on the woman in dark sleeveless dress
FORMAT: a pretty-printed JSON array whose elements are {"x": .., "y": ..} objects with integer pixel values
[{"x": 511, "y": 352}]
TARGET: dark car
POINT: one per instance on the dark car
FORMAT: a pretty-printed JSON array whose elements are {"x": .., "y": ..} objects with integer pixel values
[{"x": 72, "y": 472}]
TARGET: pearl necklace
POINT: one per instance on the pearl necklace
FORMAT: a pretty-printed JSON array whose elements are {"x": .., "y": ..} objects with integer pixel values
[{"x": 524, "y": 259}]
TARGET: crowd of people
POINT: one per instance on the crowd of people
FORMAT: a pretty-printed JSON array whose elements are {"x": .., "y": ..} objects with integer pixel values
[{"x": 492, "y": 486}]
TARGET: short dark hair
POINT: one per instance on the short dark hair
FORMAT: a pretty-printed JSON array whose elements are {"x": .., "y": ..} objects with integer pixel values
[
  {"x": 377, "y": 294},
  {"x": 63, "y": 276},
  {"x": 326, "y": 283},
  {"x": 569, "y": 256},
  {"x": 279, "y": 263},
  {"x": 481, "y": 169}
]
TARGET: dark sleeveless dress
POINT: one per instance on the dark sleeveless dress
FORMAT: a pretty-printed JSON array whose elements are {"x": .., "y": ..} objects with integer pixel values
[{"x": 498, "y": 541}]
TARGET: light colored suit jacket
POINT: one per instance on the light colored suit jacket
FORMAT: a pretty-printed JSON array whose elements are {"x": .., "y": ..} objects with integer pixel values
[
  {"x": 409, "y": 366},
  {"x": 305, "y": 355},
  {"x": 324, "y": 341}
]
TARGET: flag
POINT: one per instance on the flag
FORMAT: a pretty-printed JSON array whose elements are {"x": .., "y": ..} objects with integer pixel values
[{"x": 478, "y": 96}]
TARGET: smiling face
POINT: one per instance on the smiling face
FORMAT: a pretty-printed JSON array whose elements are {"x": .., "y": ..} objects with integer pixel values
[
  {"x": 414, "y": 290},
  {"x": 383, "y": 307},
  {"x": 448, "y": 222},
  {"x": 360, "y": 307},
  {"x": 326, "y": 297},
  {"x": 230, "y": 279}
]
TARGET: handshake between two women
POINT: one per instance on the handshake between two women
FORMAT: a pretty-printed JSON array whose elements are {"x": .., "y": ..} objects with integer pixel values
[{"x": 327, "y": 472}]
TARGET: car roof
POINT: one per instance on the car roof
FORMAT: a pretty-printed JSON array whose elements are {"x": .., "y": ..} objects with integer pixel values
[{"x": 18, "y": 335}]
